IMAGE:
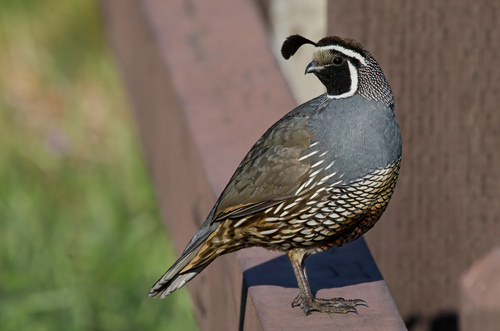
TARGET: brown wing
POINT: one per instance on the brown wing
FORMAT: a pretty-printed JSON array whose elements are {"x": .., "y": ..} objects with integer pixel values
[{"x": 270, "y": 173}]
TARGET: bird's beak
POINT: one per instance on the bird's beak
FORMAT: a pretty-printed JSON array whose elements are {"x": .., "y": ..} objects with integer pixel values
[{"x": 312, "y": 67}]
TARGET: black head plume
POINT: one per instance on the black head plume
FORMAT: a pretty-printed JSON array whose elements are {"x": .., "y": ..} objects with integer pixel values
[{"x": 292, "y": 44}]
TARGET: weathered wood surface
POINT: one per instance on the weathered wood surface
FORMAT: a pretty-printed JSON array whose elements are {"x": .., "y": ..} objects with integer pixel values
[{"x": 480, "y": 290}]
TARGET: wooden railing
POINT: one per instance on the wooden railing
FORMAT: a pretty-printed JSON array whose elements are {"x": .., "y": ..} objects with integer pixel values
[
  {"x": 204, "y": 86},
  {"x": 480, "y": 293}
]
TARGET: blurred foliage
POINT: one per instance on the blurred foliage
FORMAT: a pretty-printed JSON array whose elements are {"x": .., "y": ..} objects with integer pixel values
[{"x": 81, "y": 240}]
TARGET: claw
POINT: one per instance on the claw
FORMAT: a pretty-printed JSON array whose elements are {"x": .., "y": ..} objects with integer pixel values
[
  {"x": 335, "y": 305},
  {"x": 352, "y": 310},
  {"x": 356, "y": 302},
  {"x": 297, "y": 301},
  {"x": 359, "y": 302}
]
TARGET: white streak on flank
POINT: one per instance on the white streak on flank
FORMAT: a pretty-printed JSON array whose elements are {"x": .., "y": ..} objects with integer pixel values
[
  {"x": 271, "y": 219},
  {"x": 241, "y": 221},
  {"x": 268, "y": 231},
  {"x": 313, "y": 144},
  {"x": 318, "y": 163},
  {"x": 299, "y": 199},
  {"x": 315, "y": 173},
  {"x": 321, "y": 189},
  {"x": 290, "y": 205},
  {"x": 268, "y": 210},
  {"x": 300, "y": 188},
  {"x": 314, "y": 195},
  {"x": 279, "y": 207},
  {"x": 345, "y": 51},
  {"x": 337, "y": 182},
  {"x": 306, "y": 156},
  {"x": 325, "y": 178},
  {"x": 303, "y": 210},
  {"x": 330, "y": 164},
  {"x": 309, "y": 181},
  {"x": 317, "y": 192},
  {"x": 323, "y": 154},
  {"x": 354, "y": 84}
]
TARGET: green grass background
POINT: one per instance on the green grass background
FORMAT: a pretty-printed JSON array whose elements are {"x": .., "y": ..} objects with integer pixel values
[{"x": 81, "y": 240}]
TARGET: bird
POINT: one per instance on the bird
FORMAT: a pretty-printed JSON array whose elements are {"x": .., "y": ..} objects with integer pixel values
[{"x": 320, "y": 177}]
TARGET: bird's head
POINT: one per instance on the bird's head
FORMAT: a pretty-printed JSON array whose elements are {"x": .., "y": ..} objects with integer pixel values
[{"x": 344, "y": 66}]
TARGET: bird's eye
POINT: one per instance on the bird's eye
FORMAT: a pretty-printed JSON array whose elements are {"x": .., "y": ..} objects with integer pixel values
[{"x": 338, "y": 60}]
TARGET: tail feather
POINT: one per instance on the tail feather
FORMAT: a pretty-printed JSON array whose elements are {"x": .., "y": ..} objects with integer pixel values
[
  {"x": 173, "y": 279},
  {"x": 193, "y": 260}
]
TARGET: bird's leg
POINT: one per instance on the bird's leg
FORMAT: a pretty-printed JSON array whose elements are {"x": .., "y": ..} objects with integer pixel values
[{"x": 305, "y": 298}]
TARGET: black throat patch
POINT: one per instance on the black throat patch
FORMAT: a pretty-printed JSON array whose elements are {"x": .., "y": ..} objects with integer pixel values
[{"x": 337, "y": 79}]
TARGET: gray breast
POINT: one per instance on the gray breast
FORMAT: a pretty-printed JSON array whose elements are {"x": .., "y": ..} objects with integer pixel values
[{"x": 355, "y": 136}]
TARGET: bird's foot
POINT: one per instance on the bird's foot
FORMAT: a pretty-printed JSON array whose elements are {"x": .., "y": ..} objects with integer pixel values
[{"x": 335, "y": 305}]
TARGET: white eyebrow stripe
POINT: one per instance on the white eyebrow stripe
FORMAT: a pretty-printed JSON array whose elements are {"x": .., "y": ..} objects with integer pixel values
[{"x": 345, "y": 51}]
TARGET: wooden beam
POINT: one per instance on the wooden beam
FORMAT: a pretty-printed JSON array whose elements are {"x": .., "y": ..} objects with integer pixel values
[{"x": 480, "y": 290}]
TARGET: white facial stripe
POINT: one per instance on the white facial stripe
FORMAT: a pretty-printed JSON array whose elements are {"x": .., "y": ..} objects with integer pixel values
[
  {"x": 345, "y": 51},
  {"x": 354, "y": 83}
]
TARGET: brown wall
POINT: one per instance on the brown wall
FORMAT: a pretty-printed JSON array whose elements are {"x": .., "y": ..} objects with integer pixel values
[{"x": 441, "y": 58}]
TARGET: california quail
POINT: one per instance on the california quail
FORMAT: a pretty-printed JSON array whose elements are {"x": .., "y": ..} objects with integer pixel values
[{"x": 319, "y": 177}]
